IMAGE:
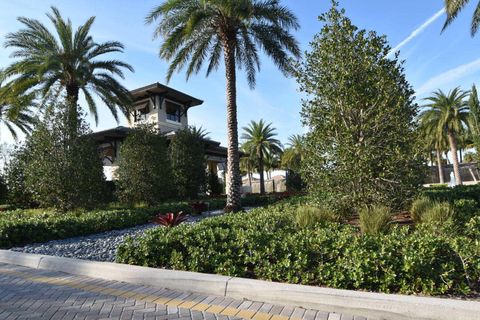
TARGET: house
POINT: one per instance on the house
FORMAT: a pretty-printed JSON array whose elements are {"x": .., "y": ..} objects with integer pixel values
[{"x": 167, "y": 109}]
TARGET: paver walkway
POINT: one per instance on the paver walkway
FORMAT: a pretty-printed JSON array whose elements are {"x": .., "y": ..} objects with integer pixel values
[{"x": 38, "y": 294}]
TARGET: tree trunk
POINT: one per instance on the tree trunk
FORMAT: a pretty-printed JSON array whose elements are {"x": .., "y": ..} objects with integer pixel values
[
  {"x": 453, "y": 150},
  {"x": 72, "y": 109},
  {"x": 260, "y": 169},
  {"x": 440, "y": 167},
  {"x": 233, "y": 183}
]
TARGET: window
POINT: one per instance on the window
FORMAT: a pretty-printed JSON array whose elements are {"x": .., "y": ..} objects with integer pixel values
[
  {"x": 173, "y": 111},
  {"x": 141, "y": 114}
]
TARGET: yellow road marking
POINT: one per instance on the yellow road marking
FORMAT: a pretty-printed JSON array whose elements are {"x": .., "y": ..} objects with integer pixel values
[
  {"x": 262, "y": 316},
  {"x": 229, "y": 311},
  {"x": 246, "y": 314},
  {"x": 215, "y": 309},
  {"x": 186, "y": 304},
  {"x": 201, "y": 307}
]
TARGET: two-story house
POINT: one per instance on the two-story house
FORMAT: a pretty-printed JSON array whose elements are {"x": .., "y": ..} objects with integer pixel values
[{"x": 167, "y": 109}]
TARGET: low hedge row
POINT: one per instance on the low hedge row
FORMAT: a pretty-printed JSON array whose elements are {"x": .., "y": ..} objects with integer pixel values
[
  {"x": 444, "y": 193},
  {"x": 265, "y": 244},
  {"x": 20, "y": 227}
]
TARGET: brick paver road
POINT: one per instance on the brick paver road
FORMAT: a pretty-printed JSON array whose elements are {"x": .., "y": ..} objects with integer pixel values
[{"x": 38, "y": 294}]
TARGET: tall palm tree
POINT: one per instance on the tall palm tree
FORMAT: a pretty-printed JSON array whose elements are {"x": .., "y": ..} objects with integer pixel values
[
  {"x": 201, "y": 31},
  {"x": 453, "y": 8},
  {"x": 293, "y": 155},
  {"x": 448, "y": 114},
  {"x": 259, "y": 140},
  {"x": 68, "y": 61},
  {"x": 15, "y": 111}
]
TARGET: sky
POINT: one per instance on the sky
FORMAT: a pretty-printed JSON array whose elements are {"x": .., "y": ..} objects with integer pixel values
[{"x": 433, "y": 60}]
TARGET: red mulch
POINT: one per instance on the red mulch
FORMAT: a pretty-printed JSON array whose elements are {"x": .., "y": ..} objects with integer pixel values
[{"x": 401, "y": 218}]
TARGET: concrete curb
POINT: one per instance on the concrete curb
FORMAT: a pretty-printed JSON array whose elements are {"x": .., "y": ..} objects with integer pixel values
[{"x": 367, "y": 304}]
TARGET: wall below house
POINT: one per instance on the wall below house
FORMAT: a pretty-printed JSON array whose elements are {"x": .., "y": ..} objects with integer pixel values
[
  {"x": 468, "y": 172},
  {"x": 274, "y": 185}
]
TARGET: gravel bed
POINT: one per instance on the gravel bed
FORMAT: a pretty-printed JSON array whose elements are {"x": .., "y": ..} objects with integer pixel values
[{"x": 100, "y": 246}]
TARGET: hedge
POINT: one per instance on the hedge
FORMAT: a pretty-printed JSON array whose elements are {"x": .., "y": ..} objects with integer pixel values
[
  {"x": 443, "y": 193},
  {"x": 265, "y": 244},
  {"x": 20, "y": 227}
]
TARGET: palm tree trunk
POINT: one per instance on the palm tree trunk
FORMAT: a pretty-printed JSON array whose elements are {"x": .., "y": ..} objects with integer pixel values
[
  {"x": 233, "y": 182},
  {"x": 260, "y": 169},
  {"x": 453, "y": 150},
  {"x": 439, "y": 165},
  {"x": 72, "y": 111}
]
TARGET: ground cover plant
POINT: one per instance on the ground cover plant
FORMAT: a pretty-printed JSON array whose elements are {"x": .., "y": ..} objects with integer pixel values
[{"x": 267, "y": 243}]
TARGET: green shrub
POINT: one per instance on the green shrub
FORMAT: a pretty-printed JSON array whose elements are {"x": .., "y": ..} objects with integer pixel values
[
  {"x": 267, "y": 244},
  {"x": 439, "y": 213},
  {"x": 448, "y": 194},
  {"x": 144, "y": 173},
  {"x": 187, "y": 159},
  {"x": 18, "y": 194},
  {"x": 465, "y": 209},
  {"x": 345, "y": 148},
  {"x": 214, "y": 187},
  {"x": 63, "y": 168},
  {"x": 307, "y": 216},
  {"x": 375, "y": 219},
  {"x": 418, "y": 208}
]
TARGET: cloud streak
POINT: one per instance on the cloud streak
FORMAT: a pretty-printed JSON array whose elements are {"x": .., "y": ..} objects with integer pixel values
[
  {"x": 417, "y": 31},
  {"x": 450, "y": 76}
]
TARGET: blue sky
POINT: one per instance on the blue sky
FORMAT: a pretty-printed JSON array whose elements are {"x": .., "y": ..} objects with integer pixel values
[{"x": 433, "y": 60}]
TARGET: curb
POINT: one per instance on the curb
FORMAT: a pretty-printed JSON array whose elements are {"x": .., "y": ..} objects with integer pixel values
[{"x": 367, "y": 304}]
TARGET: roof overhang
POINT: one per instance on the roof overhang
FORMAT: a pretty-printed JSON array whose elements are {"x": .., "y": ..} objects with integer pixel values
[{"x": 168, "y": 92}]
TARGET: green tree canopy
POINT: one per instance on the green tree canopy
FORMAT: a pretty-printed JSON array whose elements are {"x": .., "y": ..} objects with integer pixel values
[
  {"x": 453, "y": 8},
  {"x": 144, "y": 173},
  {"x": 15, "y": 110},
  {"x": 360, "y": 148},
  {"x": 187, "y": 158},
  {"x": 259, "y": 141},
  {"x": 63, "y": 169},
  {"x": 65, "y": 61}
]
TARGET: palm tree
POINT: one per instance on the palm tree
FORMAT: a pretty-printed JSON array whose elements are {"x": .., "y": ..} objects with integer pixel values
[
  {"x": 199, "y": 132},
  {"x": 248, "y": 164},
  {"x": 433, "y": 141},
  {"x": 259, "y": 141},
  {"x": 66, "y": 61},
  {"x": 293, "y": 155},
  {"x": 453, "y": 8},
  {"x": 271, "y": 163},
  {"x": 474, "y": 105},
  {"x": 200, "y": 31},
  {"x": 448, "y": 114},
  {"x": 15, "y": 111}
]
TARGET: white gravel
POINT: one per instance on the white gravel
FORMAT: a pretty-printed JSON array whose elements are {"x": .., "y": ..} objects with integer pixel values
[{"x": 100, "y": 246}]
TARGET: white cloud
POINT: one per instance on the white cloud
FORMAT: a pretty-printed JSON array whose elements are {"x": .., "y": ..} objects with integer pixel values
[
  {"x": 417, "y": 31},
  {"x": 450, "y": 76}
]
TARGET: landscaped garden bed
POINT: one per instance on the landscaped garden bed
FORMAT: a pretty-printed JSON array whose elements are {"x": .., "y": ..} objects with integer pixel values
[
  {"x": 266, "y": 243},
  {"x": 20, "y": 227}
]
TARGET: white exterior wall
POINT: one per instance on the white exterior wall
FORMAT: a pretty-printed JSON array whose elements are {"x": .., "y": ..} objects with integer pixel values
[{"x": 158, "y": 116}]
